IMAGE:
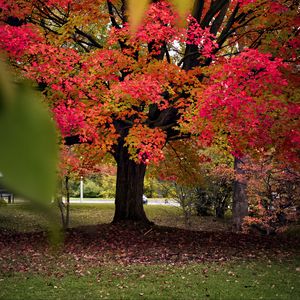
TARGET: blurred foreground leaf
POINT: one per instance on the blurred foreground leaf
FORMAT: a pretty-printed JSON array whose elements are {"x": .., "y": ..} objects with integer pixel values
[
  {"x": 28, "y": 151},
  {"x": 183, "y": 6},
  {"x": 136, "y": 10}
]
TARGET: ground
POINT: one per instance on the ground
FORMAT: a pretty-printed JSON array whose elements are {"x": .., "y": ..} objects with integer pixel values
[{"x": 126, "y": 261}]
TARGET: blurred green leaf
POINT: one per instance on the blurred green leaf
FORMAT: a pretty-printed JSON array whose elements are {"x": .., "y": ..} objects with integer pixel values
[
  {"x": 28, "y": 151},
  {"x": 136, "y": 10},
  {"x": 183, "y": 6}
]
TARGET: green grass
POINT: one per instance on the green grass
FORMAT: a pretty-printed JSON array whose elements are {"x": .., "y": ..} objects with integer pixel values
[
  {"x": 246, "y": 280},
  {"x": 236, "y": 279},
  {"x": 21, "y": 218}
]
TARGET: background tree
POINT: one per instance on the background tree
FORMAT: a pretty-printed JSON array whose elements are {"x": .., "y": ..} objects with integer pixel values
[
  {"x": 203, "y": 177},
  {"x": 131, "y": 93},
  {"x": 181, "y": 175},
  {"x": 273, "y": 193},
  {"x": 76, "y": 163}
]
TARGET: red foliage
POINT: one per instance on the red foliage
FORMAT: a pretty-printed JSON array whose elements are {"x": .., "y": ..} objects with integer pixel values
[
  {"x": 107, "y": 84},
  {"x": 273, "y": 193},
  {"x": 17, "y": 40},
  {"x": 243, "y": 101},
  {"x": 201, "y": 37}
]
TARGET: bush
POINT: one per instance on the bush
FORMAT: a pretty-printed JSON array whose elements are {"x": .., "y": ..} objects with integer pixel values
[
  {"x": 94, "y": 187},
  {"x": 107, "y": 186},
  {"x": 3, "y": 202},
  {"x": 91, "y": 189},
  {"x": 273, "y": 192}
]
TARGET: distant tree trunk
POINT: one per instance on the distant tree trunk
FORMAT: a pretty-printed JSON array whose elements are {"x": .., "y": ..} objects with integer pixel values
[
  {"x": 129, "y": 187},
  {"x": 64, "y": 207},
  {"x": 67, "y": 201},
  {"x": 240, "y": 200},
  {"x": 221, "y": 208}
]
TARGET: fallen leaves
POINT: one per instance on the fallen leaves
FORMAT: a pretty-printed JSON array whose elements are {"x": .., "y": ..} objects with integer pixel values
[{"x": 127, "y": 244}]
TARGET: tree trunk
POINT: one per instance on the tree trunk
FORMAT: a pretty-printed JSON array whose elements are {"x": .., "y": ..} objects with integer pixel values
[
  {"x": 64, "y": 207},
  {"x": 240, "y": 200},
  {"x": 129, "y": 188},
  {"x": 67, "y": 201},
  {"x": 221, "y": 208}
]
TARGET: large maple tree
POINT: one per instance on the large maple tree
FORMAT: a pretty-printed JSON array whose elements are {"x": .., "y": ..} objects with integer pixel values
[{"x": 226, "y": 75}]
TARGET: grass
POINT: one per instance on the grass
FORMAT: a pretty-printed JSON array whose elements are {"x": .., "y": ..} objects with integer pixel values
[
  {"x": 22, "y": 218},
  {"x": 245, "y": 280}
]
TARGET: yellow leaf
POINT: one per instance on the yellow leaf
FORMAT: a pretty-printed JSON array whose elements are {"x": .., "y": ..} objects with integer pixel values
[{"x": 136, "y": 10}]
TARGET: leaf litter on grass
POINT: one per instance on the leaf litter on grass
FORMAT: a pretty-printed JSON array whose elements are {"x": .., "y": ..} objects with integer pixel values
[{"x": 126, "y": 244}]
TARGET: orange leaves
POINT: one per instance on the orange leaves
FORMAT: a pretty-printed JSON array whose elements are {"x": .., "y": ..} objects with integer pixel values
[
  {"x": 145, "y": 144},
  {"x": 142, "y": 88},
  {"x": 98, "y": 73},
  {"x": 106, "y": 64}
]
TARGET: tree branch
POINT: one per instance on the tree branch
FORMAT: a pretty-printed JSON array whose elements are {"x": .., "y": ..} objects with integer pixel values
[
  {"x": 89, "y": 37},
  {"x": 215, "y": 8},
  {"x": 111, "y": 15},
  {"x": 219, "y": 19}
]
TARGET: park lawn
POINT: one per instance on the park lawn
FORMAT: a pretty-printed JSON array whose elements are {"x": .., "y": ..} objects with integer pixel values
[
  {"x": 116, "y": 262},
  {"x": 230, "y": 280},
  {"x": 22, "y": 218}
]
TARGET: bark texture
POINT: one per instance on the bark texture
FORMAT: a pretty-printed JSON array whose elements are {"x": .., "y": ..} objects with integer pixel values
[{"x": 129, "y": 188}]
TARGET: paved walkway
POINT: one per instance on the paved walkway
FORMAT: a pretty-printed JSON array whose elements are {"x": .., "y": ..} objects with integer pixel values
[{"x": 168, "y": 202}]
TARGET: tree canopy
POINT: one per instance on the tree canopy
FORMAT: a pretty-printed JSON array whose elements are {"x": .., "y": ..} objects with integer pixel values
[{"x": 225, "y": 75}]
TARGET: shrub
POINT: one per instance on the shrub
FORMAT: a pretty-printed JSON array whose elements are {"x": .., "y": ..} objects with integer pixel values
[
  {"x": 3, "y": 202},
  {"x": 273, "y": 193}
]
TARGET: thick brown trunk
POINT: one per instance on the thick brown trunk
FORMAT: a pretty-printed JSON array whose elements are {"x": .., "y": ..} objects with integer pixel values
[
  {"x": 240, "y": 200},
  {"x": 129, "y": 188}
]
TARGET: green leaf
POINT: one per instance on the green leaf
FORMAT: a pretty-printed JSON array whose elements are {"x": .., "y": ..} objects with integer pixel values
[{"x": 28, "y": 151}]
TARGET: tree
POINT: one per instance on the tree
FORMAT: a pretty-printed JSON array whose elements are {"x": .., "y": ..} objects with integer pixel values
[
  {"x": 132, "y": 92},
  {"x": 75, "y": 163},
  {"x": 181, "y": 174},
  {"x": 203, "y": 178},
  {"x": 273, "y": 193}
]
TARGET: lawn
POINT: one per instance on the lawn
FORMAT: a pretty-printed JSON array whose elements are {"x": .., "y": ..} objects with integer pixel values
[
  {"x": 21, "y": 218},
  {"x": 103, "y": 261},
  {"x": 243, "y": 280}
]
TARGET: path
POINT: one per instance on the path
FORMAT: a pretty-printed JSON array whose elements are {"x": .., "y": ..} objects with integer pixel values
[{"x": 155, "y": 201}]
